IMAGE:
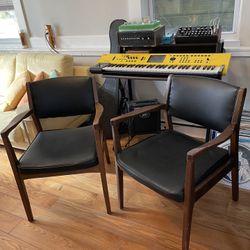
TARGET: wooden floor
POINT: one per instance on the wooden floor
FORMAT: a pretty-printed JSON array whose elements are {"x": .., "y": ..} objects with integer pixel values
[{"x": 70, "y": 214}]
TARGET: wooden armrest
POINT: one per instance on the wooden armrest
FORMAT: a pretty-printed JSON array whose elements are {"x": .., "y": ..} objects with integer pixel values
[
  {"x": 98, "y": 115},
  {"x": 5, "y": 132},
  {"x": 225, "y": 135},
  {"x": 117, "y": 120},
  {"x": 195, "y": 152},
  {"x": 15, "y": 121}
]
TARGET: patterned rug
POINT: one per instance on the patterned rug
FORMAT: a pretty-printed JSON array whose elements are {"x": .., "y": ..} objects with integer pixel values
[{"x": 244, "y": 153}]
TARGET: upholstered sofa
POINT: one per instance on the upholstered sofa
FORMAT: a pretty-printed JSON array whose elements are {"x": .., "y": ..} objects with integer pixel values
[{"x": 11, "y": 66}]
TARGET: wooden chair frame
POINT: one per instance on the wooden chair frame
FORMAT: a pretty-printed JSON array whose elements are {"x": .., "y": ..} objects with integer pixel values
[
  {"x": 191, "y": 192},
  {"x": 101, "y": 147}
]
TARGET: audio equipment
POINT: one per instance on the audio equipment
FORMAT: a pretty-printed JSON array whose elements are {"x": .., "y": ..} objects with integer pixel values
[
  {"x": 141, "y": 34},
  {"x": 148, "y": 25},
  {"x": 167, "y": 39},
  {"x": 198, "y": 34},
  {"x": 160, "y": 65},
  {"x": 146, "y": 122}
]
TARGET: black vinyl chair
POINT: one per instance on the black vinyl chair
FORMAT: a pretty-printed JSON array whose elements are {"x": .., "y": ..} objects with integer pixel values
[
  {"x": 178, "y": 166},
  {"x": 62, "y": 151}
]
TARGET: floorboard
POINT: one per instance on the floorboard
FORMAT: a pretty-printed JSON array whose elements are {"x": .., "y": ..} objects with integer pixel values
[{"x": 69, "y": 213}]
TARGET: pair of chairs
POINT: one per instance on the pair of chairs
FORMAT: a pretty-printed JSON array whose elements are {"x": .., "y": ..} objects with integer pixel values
[{"x": 173, "y": 164}]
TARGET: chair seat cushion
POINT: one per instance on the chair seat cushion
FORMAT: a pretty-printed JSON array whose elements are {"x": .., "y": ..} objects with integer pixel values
[
  {"x": 159, "y": 162},
  {"x": 60, "y": 150}
]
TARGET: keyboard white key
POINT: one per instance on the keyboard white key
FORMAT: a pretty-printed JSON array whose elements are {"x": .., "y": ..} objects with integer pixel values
[{"x": 164, "y": 69}]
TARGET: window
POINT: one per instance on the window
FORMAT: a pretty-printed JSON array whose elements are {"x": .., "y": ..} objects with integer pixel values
[
  {"x": 176, "y": 13},
  {"x": 8, "y": 23}
]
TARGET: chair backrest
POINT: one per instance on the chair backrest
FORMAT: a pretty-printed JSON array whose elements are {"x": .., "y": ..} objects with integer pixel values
[
  {"x": 62, "y": 96},
  {"x": 204, "y": 101}
]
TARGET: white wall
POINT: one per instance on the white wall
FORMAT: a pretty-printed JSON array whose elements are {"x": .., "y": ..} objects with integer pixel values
[
  {"x": 73, "y": 17},
  {"x": 80, "y": 25},
  {"x": 83, "y": 25},
  {"x": 82, "y": 30}
]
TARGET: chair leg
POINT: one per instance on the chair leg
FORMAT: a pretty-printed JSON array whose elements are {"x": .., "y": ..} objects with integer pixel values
[
  {"x": 106, "y": 150},
  {"x": 187, "y": 221},
  {"x": 25, "y": 198},
  {"x": 235, "y": 182},
  {"x": 119, "y": 177},
  {"x": 105, "y": 188}
]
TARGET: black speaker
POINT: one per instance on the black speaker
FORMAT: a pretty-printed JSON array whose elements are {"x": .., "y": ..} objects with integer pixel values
[{"x": 145, "y": 123}]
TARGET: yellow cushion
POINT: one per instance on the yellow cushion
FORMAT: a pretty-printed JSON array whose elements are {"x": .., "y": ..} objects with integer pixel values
[
  {"x": 81, "y": 71},
  {"x": 15, "y": 92},
  {"x": 39, "y": 76},
  {"x": 7, "y": 71},
  {"x": 35, "y": 62},
  {"x": 63, "y": 122},
  {"x": 24, "y": 99}
]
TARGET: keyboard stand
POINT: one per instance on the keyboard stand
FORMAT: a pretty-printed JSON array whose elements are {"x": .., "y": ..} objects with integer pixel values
[{"x": 130, "y": 78}]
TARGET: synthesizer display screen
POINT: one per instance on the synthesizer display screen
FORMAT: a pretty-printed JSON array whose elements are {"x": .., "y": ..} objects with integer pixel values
[{"x": 156, "y": 58}]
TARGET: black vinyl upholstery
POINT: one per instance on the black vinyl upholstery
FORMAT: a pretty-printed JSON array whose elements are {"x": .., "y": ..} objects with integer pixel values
[
  {"x": 73, "y": 97},
  {"x": 65, "y": 149},
  {"x": 159, "y": 162},
  {"x": 204, "y": 101},
  {"x": 60, "y": 150},
  {"x": 176, "y": 165}
]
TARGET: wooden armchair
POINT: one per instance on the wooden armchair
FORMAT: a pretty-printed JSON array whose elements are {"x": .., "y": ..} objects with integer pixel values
[
  {"x": 62, "y": 151},
  {"x": 175, "y": 165}
]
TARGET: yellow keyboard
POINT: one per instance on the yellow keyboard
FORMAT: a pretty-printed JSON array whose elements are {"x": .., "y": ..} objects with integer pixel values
[{"x": 196, "y": 64}]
